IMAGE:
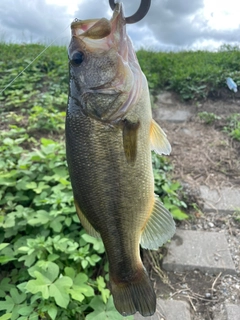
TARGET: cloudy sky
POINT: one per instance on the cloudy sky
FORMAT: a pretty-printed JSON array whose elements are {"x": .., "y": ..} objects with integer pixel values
[{"x": 169, "y": 24}]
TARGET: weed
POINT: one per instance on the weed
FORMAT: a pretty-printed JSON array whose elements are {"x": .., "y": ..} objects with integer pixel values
[
  {"x": 236, "y": 214},
  {"x": 208, "y": 117},
  {"x": 233, "y": 126}
]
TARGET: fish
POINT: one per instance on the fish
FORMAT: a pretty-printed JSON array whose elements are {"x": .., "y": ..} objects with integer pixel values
[{"x": 110, "y": 134}]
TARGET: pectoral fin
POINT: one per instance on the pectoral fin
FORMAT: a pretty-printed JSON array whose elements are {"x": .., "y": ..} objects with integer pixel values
[
  {"x": 130, "y": 140},
  {"x": 159, "y": 141},
  {"x": 159, "y": 228},
  {"x": 85, "y": 223}
]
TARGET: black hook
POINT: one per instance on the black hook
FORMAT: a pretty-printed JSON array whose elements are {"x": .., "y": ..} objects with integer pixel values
[{"x": 141, "y": 12}]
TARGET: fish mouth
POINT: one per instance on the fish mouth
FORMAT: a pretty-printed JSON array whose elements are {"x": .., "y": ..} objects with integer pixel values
[{"x": 102, "y": 32}]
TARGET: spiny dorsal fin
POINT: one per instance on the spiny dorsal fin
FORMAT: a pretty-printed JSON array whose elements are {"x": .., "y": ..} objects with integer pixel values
[
  {"x": 86, "y": 224},
  {"x": 130, "y": 140},
  {"x": 159, "y": 141},
  {"x": 159, "y": 228}
]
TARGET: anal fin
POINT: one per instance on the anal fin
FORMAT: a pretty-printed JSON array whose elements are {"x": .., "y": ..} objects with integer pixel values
[
  {"x": 159, "y": 141},
  {"x": 85, "y": 223},
  {"x": 159, "y": 228}
]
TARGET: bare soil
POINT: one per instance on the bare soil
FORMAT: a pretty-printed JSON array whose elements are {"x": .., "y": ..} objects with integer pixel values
[{"x": 202, "y": 155}]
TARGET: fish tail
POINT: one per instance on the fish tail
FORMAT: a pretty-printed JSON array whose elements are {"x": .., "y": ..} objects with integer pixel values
[{"x": 132, "y": 296}]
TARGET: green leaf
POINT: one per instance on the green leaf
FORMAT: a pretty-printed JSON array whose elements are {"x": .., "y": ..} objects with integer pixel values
[
  {"x": 84, "y": 264},
  {"x": 76, "y": 294},
  {"x": 31, "y": 185},
  {"x": 49, "y": 269},
  {"x": 79, "y": 285},
  {"x": 104, "y": 311},
  {"x": 15, "y": 312},
  {"x": 26, "y": 310},
  {"x": 44, "y": 278},
  {"x": 7, "y": 305},
  {"x": 29, "y": 259},
  {"x": 52, "y": 257},
  {"x": 46, "y": 142},
  {"x": 97, "y": 243},
  {"x": 42, "y": 217},
  {"x": 80, "y": 289},
  {"x": 5, "y": 285},
  {"x": 17, "y": 297},
  {"x": 41, "y": 284},
  {"x": 102, "y": 288},
  {"x": 56, "y": 224},
  {"x": 6, "y": 316},
  {"x": 3, "y": 245},
  {"x": 59, "y": 291},
  {"x": 70, "y": 272},
  {"x": 5, "y": 259},
  {"x": 52, "y": 311},
  {"x": 33, "y": 316}
]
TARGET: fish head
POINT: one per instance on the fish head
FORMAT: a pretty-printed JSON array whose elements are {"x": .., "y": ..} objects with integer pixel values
[{"x": 105, "y": 77}]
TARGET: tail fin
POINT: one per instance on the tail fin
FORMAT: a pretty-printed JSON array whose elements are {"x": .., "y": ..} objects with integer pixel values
[{"x": 138, "y": 295}]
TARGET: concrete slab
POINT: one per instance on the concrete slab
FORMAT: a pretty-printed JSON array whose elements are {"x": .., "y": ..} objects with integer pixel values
[
  {"x": 220, "y": 315},
  {"x": 169, "y": 310},
  {"x": 172, "y": 114},
  {"x": 202, "y": 250},
  {"x": 233, "y": 312},
  {"x": 229, "y": 312},
  {"x": 223, "y": 200},
  {"x": 165, "y": 98}
]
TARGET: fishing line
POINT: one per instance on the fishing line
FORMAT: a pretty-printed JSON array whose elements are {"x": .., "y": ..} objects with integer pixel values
[{"x": 9, "y": 84}]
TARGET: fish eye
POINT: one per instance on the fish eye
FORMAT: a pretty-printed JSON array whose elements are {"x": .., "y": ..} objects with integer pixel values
[{"x": 77, "y": 58}]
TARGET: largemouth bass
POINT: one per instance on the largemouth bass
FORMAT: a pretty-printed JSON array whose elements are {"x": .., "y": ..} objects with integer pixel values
[{"x": 109, "y": 137}]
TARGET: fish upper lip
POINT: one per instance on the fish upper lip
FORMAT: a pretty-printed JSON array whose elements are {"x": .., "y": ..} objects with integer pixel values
[{"x": 81, "y": 27}]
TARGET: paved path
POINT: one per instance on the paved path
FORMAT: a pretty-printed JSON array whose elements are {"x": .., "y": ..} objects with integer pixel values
[
  {"x": 202, "y": 250},
  {"x": 169, "y": 310}
]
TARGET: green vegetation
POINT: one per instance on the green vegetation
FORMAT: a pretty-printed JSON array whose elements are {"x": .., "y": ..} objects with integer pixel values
[
  {"x": 232, "y": 123},
  {"x": 50, "y": 268},
  {"x": 236, "y": 215},
  {"x": 193, "y": 75},
  {"x": 233, "y": 126},
  {"x": 208, "y": 117}
]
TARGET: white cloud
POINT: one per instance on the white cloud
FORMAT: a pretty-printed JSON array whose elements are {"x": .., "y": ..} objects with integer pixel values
[
  {"x": 222, "y": 15},
  {"x": 169, "y": 24}
]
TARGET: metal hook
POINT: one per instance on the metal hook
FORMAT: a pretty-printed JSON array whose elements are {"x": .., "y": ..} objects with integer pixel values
[{"x": 141, "y": 12}]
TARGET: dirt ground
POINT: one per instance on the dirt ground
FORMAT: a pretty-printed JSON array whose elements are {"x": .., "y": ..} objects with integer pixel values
[{"x": 203, "y": 155}]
